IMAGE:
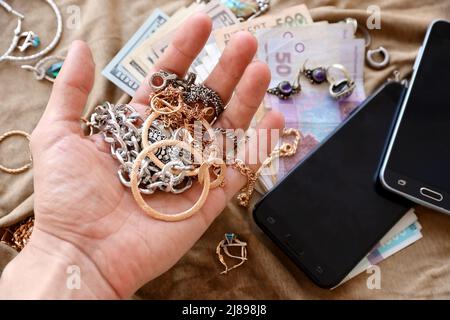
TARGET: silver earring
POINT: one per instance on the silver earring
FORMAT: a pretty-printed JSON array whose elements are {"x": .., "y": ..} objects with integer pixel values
[{"x": 370, "y": 56}]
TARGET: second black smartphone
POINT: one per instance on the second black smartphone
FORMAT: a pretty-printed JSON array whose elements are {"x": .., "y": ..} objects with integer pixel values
[{"x": 417, "y": 165}]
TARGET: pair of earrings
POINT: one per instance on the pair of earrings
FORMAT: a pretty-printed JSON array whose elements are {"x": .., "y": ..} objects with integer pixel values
[{"x": 340, "y": 88}]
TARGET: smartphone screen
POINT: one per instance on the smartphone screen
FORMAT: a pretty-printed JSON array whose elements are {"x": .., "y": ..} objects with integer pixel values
[
  {"x": 329, "y": 212},
  {"x": 418, "y": 163}
]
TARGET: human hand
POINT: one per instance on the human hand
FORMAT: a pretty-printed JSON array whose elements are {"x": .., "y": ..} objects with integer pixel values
[{"x": 85, "y": 217}]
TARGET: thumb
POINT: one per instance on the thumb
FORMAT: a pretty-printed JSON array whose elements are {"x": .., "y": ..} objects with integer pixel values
[{"x": 72, "y": 86}]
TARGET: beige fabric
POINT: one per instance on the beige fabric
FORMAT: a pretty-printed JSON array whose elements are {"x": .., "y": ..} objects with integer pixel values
[{"x": 421, "y": 271}]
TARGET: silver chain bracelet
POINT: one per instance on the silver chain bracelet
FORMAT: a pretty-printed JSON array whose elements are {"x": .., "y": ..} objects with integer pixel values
[{"x": 122, "y": 130}]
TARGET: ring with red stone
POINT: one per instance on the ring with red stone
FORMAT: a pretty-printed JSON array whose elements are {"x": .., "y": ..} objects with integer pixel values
[{"x": 159, "y": 80}]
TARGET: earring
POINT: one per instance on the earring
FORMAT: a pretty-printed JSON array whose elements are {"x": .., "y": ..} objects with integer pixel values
[
  {"x": 231, "y": 241},
  {"x": 315, "y": 76},
  {"x": 376, "y": 64},
  {"x": 284, "y": 90},
  {"x": 342, "y": 88},
  {"x": 43, "y": 70}
]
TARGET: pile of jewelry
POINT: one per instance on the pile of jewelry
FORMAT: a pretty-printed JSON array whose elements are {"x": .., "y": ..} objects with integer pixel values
[
  {"x": 163, "y": 151},
  {"x": 174, "y": 146}
]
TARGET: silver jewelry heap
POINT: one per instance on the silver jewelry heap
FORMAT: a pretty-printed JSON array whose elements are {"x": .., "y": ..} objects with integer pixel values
[{"x": 121, "y": 127}]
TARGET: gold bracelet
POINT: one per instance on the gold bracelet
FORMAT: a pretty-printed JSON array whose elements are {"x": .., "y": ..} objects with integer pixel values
[
  {"x": 287, "y": 149},
  {"x": 25, "y": 167},
  {"x": 203, "y": 178}
]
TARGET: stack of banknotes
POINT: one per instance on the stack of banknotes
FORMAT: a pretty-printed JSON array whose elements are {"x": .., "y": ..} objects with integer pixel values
[{"x": 289, "y": 41}]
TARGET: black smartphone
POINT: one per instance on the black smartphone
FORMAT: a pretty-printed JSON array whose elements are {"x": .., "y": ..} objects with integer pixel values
[
  {"x": 417, "y": 163},
  {"x": 330, "y": 211}
]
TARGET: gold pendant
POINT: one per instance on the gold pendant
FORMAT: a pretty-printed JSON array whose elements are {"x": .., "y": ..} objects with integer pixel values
[{"x": 231, "y": 241}]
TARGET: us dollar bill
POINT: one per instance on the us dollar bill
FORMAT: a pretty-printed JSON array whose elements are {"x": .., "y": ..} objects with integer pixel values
[
  {"x": 221, "y": 17},
  {"x": 150, "y": 51},
  {"x": 142, "y": 57},
  {"x": 115, "y": 71}
]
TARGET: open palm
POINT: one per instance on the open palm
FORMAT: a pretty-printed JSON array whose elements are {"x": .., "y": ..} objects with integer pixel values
[{"x": 78, "y": 197}]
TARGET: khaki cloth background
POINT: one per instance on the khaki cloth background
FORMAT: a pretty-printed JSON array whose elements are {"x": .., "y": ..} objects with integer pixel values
[{"x": 420, "y": 271}]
